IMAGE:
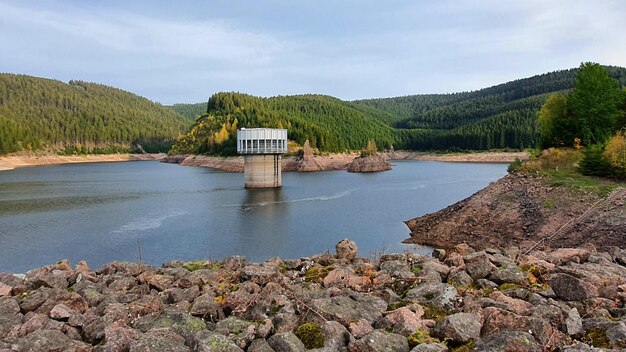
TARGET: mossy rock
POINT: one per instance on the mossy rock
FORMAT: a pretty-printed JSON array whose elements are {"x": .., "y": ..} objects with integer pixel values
[
  {"x": 597, "y": 338},
  {"x": 434, "y": 313},
  {"x": 508, "y": 286},
  {"x": 311, "y": 335},
  {"x": 317, "y": 273},
  {"x": 419, "y": 337}
]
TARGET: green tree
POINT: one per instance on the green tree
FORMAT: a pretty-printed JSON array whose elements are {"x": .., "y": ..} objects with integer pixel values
[
  {"x": 596, "y": 103},
  {"x": 555, "y": 127}
]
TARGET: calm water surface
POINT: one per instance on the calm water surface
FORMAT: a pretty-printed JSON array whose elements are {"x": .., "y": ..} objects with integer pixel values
[{"x": 101, "y": 212}]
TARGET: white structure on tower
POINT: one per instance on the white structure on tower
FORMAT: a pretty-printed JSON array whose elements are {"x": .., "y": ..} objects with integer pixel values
[{"x": 261, "y": 148}]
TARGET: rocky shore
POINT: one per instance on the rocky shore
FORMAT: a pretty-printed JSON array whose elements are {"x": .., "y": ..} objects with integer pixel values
[
  {"x": 459, "y": 300},
  {"x": 527, "y": 211}
]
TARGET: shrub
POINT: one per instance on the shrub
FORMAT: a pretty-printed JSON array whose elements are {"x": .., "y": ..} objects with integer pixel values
[
  {"x": 515, "y": 165},
  {"x": 594, "y": 162},
  {"x": 370, "y": 149},
  {"x": 615, "y": 153}
]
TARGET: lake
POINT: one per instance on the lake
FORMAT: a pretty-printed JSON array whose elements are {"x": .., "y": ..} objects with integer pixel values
[{"x": 125, "y": 210}]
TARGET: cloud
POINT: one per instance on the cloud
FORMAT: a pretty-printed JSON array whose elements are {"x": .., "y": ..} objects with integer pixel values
[{"x": 184, "y": 52}]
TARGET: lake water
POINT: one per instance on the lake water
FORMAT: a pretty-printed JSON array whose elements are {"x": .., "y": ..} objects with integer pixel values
[{"x": 107, "y": 211}]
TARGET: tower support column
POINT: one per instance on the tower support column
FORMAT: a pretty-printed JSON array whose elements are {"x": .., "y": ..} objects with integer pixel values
[{"x": 262, "y": 171}]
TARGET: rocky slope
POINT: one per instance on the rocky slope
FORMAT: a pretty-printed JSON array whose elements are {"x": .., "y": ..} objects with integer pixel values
[
  {"x": 526, "y": 211},
  {"x": 460, "y": 301},
  {"x": 370, "y": 163}
]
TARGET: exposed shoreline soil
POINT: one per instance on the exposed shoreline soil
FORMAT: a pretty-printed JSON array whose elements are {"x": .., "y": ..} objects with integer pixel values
[
  {"x": 526, "y": 211},
  {"x": 341, "y": 161},
  {"x": 10, "y": 162}
]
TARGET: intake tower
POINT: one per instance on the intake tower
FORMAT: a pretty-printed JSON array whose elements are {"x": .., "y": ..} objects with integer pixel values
[{"x": 261, "y": 149}]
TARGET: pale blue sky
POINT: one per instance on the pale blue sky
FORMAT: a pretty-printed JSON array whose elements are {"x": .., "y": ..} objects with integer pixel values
[{"x": 184, "y": 51}]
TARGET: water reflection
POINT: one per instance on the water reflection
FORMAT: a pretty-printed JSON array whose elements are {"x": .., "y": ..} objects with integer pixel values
[{"x": 260, "y": 226}]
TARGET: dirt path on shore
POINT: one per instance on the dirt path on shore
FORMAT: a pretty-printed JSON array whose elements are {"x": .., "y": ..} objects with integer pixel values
[{"x": 14, "y": 161}]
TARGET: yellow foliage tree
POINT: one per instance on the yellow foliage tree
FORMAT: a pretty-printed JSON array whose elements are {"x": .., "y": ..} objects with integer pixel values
[{"x": 615, "y": 151}]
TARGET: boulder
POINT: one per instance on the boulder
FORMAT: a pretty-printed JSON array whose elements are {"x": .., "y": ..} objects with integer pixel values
[
  {"x": 380, "y": 341},
  {"x": 286, "y": 342},
  {"x": 397, "y": 268},
  {"x": 205, "y": 306},
  {"x": 49, "y": 341},
  {"x": 562, "y": 256},
  {"x": 346, "y": 309},
  {"x": 260, "y": 345},
  {"x": 430, "y": 347},
  {"x": 212, "y": 342},
  {"x": 346, "y": 249},
  {"x": 510, "y": 341},
  {"x": 402, "y": 321},
  {"x": 478, "y": 265},
  {"x": 159, "y": 340},
  {"x": 10, "y": 315},
  {"x": 569, "y": 288},
  {"x": 434, "y": 294},
  {"x": 360, "y": 328},
  {"x": 336, "y": 336},
  {"x": 574, "y": 324},
  {"x": 459, "y": 327}
]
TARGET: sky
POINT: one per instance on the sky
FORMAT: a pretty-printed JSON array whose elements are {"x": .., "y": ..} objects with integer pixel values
[{"x": 185, "y": 51}]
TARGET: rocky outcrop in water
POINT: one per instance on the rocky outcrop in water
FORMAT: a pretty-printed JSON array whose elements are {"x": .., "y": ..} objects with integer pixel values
[
  {"x": 370, "y": 163},
  {"x": 487, "y": 300}
]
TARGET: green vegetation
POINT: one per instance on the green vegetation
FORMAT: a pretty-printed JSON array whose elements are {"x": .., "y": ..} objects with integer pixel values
[
  {"x": 80, "y": 118},
  {"x": 592, "y": 116},
  {"x": 419, "y": 337},
  {"x": 190, "y": 111},
  {"x": 370, "y": 149},
  {"x": 311, "y": 335},
  {"x": 597, "y": 338},
  {"x": 560, "y": 167},
  {"x": 503, "y": 116}
]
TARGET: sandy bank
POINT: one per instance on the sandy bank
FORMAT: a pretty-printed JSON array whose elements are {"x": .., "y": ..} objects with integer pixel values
[
  {"x": 474, "y": 157},
  {"x": 15, "y": 161}
]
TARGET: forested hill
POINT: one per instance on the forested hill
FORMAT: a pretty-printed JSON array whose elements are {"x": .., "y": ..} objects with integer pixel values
[
  {"x": 81, "y": 117},
  {"x": 502, "y": 116},
  {"x": 446, "y": 111},
  {"x": 190, "y": 111},
  {"x": 328, "y": 123}
]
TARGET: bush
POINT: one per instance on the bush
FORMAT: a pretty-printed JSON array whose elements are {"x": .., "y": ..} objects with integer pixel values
[
  {"x": 514, "y": 166},
  {"x": 615, "y": 153},
  {"x": 370, "y": 149},
  {"x": 594, "y": 162}
]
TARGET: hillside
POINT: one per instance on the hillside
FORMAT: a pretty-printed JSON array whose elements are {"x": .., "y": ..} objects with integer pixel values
[
  {"x": 80, "y": 117},
  {"x": 328, "y": 123},
  {"x": 190, "y": 111},
  {"x": 502, "y": 116}
]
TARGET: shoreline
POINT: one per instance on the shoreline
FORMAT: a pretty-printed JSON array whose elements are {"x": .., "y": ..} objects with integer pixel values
[
  {"x": 11, "y": 162},
  {"x": 333, "y": 162},
  {"x": 329, "y": 162}
]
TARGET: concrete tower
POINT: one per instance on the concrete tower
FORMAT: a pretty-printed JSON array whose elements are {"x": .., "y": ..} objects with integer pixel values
[{"x": 261, "y": 149}]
